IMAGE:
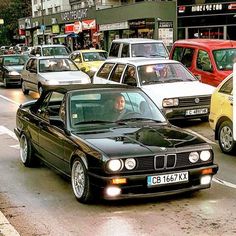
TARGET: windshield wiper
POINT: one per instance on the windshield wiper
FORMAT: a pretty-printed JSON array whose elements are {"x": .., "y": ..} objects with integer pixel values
[
  {"x": 93, "y": 121},
  {"x": 139, "y": 118}
]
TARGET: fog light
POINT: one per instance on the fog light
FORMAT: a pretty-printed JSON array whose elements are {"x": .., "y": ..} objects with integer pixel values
[
  {"x": 205, "y": 180},
  {"x": 113, "y": 191}
]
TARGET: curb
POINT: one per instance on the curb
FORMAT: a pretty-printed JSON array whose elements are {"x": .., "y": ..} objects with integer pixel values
[{"x": 6, "y": 229}]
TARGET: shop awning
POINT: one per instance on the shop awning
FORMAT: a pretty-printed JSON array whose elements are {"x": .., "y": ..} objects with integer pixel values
[{"x": 72, "y": 35}]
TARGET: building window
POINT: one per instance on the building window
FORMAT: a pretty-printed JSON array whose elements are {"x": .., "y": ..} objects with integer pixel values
[
  {"x": 36, "y": 13},
  {"x": 50, "y": 11},
  {"x": 57, "y": 9},
  {"x": 35, "y": 2}
]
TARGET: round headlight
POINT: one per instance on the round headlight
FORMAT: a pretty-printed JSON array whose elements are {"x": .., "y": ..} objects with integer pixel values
[
  {"x": 205, "y": 155},
  {"x": 130, "y": 163},
  {"x": 193, "y": 157},
  {"x": 114, "y": 165}
]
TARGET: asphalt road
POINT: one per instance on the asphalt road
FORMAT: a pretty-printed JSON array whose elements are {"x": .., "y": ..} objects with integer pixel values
[{"x": 38, "y": 201}]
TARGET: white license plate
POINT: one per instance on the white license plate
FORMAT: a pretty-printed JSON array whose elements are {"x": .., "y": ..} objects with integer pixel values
[
  {"x": 196, "y": 111},
  {"x": 167, "y": 179}
]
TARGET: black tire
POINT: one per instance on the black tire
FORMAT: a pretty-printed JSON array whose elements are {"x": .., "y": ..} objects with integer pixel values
[
  {"x": 225, "y": 137},
  {"x": 80, "y": 182},
  {"x": 26, "y": 152},
  {"x": 24, "y": 90}
]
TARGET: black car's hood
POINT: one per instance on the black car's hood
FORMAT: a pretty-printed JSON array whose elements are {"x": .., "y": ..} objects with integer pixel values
[{"x": 138, "y": 140}]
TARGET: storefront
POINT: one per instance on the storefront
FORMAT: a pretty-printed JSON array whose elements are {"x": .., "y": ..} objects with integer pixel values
[
  {"x": 209, "y": 20},
  {"x": 139, "y": 20},
  {"x": 100, "y": 27}
]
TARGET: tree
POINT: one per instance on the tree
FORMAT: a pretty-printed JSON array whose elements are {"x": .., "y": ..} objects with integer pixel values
[{"x": 11, "y": 13}]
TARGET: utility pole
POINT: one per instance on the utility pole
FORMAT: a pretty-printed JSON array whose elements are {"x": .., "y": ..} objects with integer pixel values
[{"x": 42, "y": 25}]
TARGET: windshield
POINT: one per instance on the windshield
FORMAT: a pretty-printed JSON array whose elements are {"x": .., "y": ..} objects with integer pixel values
[
  {"x": 15, "y": 60},
  {"x": 149, "y": 50},
  {"x": 225, "y": 58},
  {"x": 94, "y": 56},
  {"x": 56, "y": 65},
  {"x": 110, "y": 106},
  {"x": 164, "y": 73},
  {"x": 55, "y": 51}
]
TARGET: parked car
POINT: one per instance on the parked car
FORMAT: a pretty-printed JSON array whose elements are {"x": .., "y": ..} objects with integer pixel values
[
  {"x": 11, "y": 67},
  {"x": 138, "y": 47},
  {"x": 50, "y": 50},
  {"x": 170, "y": 85},
  {"x": 136, "y": 156},
  {"x": 221, "y": 115},
  {"x": 89, "y": 60},
  {"x": 210, "y": 60},
  {"x": 39, "y": 71}
]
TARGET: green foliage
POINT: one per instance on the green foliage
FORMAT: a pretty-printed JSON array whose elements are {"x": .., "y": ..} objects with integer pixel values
[{"x": 11, "y": 13}]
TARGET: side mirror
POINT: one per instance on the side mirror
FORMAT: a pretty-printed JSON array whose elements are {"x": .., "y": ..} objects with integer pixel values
[{"x": 55, "y": 121}]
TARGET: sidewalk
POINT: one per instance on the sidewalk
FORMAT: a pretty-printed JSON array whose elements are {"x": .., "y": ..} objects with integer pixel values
[{"x": 6, "y": 229}]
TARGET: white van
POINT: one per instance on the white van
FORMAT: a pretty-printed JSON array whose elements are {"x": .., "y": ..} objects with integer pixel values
[{"x": 138, "y": 47}]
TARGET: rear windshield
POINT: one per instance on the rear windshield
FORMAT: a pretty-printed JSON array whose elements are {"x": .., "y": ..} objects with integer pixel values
[{"x": 149, "y": 50}]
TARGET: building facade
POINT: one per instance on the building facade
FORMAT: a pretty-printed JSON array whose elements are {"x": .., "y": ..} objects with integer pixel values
[
  {"x": 100, "y": 21},
  {"x": 207, "y": 19}
]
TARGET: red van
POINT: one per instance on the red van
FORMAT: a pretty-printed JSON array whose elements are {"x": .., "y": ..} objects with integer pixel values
[{"x": 211, "y": 60}]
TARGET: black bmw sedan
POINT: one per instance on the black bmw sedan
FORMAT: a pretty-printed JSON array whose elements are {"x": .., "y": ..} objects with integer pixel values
[{"x": 113, "y": 142}]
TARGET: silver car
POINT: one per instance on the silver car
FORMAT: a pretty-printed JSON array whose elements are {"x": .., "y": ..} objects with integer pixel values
[{"x": 39, "y": 71}]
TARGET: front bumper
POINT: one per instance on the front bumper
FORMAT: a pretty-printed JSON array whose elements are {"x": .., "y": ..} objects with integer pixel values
[
  {"x": 14, "y": 80},
  {"x": 179, "y": 113},
  {"x": 136, "y": 185}
]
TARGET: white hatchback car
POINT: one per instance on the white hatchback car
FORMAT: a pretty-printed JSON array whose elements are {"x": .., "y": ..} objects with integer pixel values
[
  {"x": 39, "y": 71},
  {"x": 170, "y": 85},
  {"x": 138, "y": 47}
]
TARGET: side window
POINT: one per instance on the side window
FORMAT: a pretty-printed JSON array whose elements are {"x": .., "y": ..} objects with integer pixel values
[
  {"x": 227, "y": 87},
  {"x": 130, "y": 76},
  {"x": 203, "y": 61},
  {"x": 105, "y": 70},
  {"x": 34, "y": 65},
  {"x": 125, "y": 50},
  {"x": 28, "y": 64},
  {"x": 33, "y": 52},
  {"x": 117, "y": 72},
  {"x": 51, "y": 105},
  {"x": 177, "y": 54},
  {"x": 187, "y": 57},
  {"x": 38, "y": 51},
  {"x": 114, "y": 50}
]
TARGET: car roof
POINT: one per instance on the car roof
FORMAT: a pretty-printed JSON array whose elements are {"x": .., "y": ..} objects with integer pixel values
[
  {"x": 139, "y": 61},
  {"x": 50, "y": 45},
  {"x": 51, "y": 57},
  {"x": 207, "y": 43},
  {"x": 89, "y": 50},
  {"x": 74, "y": 87},
  {"x": 137, "y": 40},
  {"x": 12, "y": 55}
]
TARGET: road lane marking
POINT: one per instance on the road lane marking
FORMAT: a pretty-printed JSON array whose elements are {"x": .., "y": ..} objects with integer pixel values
[
  {"x": 220, "y": 181},
  {"x": 6, "y": 229},
  {"x": 4, "y": 130},
  {"x": 9, "y": 100}
]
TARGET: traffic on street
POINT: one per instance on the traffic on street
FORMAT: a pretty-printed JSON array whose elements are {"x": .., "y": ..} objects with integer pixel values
[
  {"x": 116, "y": 118},
  {"x": 40, "y": 201}
]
